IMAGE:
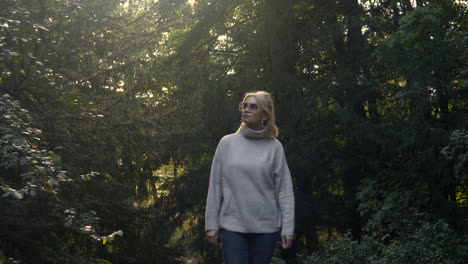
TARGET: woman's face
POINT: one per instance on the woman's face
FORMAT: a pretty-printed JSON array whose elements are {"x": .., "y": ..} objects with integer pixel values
[{"x": 252, "y": 114}]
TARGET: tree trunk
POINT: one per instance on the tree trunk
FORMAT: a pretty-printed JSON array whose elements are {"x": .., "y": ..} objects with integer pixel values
[{"x": 279, "y": 65}]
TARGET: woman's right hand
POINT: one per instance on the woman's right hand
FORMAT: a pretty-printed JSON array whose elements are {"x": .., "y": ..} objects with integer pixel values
[{"x": 212, "y": 237}]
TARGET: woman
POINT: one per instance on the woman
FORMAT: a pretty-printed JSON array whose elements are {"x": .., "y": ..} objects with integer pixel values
[{"x": 250, "y": 199}]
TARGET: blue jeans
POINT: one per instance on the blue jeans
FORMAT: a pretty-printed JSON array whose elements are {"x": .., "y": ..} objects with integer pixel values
[{"x": 248, "y": 248}]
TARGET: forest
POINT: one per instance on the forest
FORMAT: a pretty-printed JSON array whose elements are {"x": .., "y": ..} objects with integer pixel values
[{"x": 111, "y": 110}]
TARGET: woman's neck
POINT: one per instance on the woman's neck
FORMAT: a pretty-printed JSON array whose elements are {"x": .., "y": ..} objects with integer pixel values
[
  {"x": 255, "y": 127},
  {"x": 250, "y": 133}
]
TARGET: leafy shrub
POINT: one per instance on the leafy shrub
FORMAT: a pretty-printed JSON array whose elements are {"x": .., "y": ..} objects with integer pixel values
[
  {"x": 432, "y": 243},
  {"x": 38, "y": 221}
]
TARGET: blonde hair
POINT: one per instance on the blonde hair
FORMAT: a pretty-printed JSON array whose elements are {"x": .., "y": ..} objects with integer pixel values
[{"x": 265, "y": 102}]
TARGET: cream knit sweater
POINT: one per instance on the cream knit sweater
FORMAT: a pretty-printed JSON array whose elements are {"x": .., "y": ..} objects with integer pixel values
[{"x": 250, "y": 189}]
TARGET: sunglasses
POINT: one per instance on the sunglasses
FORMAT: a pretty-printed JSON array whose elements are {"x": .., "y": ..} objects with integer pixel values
[{"x": 244, "y": 106}]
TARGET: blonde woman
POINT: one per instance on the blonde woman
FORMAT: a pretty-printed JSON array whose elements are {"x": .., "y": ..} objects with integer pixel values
[{"x": 250, "y": 201}]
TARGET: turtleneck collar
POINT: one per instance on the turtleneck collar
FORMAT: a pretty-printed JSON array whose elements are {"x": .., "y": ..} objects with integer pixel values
[{"x": 249, "y": 133}]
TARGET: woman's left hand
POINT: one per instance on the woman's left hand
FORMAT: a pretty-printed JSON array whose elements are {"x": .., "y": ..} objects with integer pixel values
[{"x": 287, "y": 241}]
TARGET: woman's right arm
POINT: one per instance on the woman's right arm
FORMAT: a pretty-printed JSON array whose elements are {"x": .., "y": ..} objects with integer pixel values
[
  {"x": 212, "y": 237},
  {"x": 215, "y": 194}
]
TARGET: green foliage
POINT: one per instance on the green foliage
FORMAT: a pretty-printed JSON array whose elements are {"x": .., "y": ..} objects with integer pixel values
[
  {"x": 275, "y": 260},
  {"x": 40, "y": 207},
  {"x": 457, "y": 151},
  {"x": 430, "y": 243},
  {"x": 3, "y": 258},
  {"x": 22, "y": 160}
]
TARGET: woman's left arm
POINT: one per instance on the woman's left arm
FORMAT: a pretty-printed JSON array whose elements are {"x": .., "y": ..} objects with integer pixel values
[{"x": 285, "y": 194}]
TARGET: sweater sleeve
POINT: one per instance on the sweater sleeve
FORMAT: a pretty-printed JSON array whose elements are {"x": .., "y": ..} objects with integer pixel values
[
  {"x": 284, "y": 190},
  {"x": 215, "y": 194}
]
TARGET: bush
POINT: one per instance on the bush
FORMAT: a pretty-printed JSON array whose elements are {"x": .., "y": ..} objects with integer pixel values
[
  {"x": 42, "y": 221},
  {"x": 432, "y": 243}
]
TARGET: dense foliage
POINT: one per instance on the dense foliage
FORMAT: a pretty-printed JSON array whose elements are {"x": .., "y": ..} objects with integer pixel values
[
  {"x": 432, "y": 243},
  {"x": 37, "y": 208},
  {"x": 111, "y": 111}
]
